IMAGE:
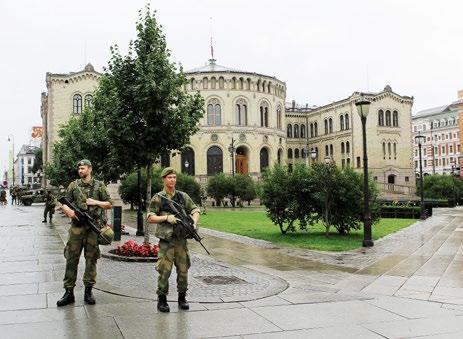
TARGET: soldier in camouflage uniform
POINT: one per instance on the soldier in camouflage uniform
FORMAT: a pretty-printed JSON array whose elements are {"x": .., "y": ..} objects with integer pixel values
[
  {"x": 172, "y": 243},
  {"x": 50, "y": 203},
  {"x": 89, "y": 195}
]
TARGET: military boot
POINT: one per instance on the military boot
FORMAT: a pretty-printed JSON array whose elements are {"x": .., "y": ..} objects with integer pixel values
[
  {"x": 88, "y": 295},
  {"x": 182, "y": 303},
  {"x": 163, "y": 306},
  {"x": 68, "y": 298},
  {"x": 44, "y": 220}
]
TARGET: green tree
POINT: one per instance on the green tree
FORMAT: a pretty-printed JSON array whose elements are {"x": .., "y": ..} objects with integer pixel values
[
  {"x": 82, "y": 137},
  {"x": 245, "y": 187},
  {"x": 217, "y": 188},
  {"x": 142, "y": 94},
  {"x": 38, "y": 160},
  {"x": 441, "y": 187},
  {"x": 287, "y": 196}
]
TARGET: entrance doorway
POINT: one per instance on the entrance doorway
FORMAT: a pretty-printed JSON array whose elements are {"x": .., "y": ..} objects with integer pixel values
[{"x": 241, "y": 160}]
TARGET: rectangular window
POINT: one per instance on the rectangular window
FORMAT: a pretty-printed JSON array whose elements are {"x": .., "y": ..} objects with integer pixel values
[
  {"x": 425, "y": 163},
  {"x": 407, "y": 179},
  {"x": 358, "y": 162},
  {"x": 416, "y": 163}
]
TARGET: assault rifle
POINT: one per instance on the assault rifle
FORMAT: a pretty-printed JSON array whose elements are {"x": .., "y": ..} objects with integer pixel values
[
  {"x": 83, "y": 218},
  {"x": 185, "y": 221}
]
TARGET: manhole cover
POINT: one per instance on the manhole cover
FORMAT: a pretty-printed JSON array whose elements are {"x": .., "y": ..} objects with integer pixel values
[{"x": 220, "y": 279}]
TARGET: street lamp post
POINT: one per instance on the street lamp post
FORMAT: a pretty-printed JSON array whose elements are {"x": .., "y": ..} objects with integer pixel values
[
  {"x": 363, "y": 108},
  {"x": 12, "y": 166},
  {"x": 313, "y": 155},
  {"x": 231, "y": 149},
  {"x": 453, "y": 184},
  {"x": 420, "y": 139}
]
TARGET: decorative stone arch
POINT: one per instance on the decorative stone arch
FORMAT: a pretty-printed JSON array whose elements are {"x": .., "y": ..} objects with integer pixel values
[
  {"x": 213, "y": 83},
  {"x": 192, "y": 83},
  {"x": 280, "y": 155},
  {"x": 242, "y": 156},
  {"x": 214, "y": 108},
  {"x": 187, "y": 160},
  {"x": 264, "y": 109},
  {"x": 77, "y": 102},
  {"x": 241, "y": 110},
  {"x": 214, "y": 159},
  {"x": 205, "y": 82},
  {"x": 221, "y": 82},
  {"x": 264, "y": 157}
]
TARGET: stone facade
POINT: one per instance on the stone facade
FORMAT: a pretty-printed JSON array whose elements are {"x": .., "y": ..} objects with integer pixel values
[
  {"x": 248, "y": 126},
  {"x": 67, "y": 95},
  {"x": 334, "y": 132},
  {"x": 441, "y": 128}
]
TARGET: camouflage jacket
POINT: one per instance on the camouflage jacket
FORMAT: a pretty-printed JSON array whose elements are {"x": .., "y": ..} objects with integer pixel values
[
  {"x": 78, "y": 192},
  {"x": 165, "y": 230}
]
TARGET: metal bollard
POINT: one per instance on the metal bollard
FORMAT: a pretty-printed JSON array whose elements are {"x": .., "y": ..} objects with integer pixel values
[{"x": 117, "y": 220}]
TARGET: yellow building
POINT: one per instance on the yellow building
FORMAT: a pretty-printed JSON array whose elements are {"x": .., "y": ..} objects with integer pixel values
[{"x": 248, "y": 127}]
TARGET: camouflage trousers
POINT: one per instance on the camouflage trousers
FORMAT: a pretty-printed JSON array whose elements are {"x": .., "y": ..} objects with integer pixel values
[
  {"x": 49, "y": 210},
  {"x": 81, "y": 238},
  {"x": 171, "y": 252}
]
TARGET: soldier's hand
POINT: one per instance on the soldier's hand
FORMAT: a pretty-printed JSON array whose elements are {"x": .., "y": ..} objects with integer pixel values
[
  {"x": 91, "y": 202},
  {"x": 171, "y": 219},
  {"x": 73, "y": 215}
]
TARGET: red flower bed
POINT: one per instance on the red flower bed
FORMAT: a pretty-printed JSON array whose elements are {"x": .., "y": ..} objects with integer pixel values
[{"x": 131, "y": 249}]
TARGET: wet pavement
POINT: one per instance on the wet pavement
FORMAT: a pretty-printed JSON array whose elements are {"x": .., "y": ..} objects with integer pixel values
[{"x": 409, "y": 285}]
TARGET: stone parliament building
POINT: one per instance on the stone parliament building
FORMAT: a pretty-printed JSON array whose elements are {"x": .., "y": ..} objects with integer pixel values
[{"x": 248, "y": 126}]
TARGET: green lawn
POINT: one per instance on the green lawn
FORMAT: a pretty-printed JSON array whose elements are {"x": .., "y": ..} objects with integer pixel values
[{"x": 256, "y": 224}]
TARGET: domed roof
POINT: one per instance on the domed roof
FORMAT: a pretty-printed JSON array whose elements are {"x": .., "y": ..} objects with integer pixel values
[{"x": 212, "y": 67}]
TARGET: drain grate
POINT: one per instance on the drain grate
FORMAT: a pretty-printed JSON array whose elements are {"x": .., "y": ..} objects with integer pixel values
[{"x": 220, "y": 279}]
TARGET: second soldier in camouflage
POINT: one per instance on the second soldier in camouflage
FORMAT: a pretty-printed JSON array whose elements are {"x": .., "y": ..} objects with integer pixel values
[{"x": 173, "y": 248}]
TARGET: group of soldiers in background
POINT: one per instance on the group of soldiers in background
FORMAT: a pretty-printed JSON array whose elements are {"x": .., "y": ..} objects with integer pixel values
[{"x": 16, "y": 192}]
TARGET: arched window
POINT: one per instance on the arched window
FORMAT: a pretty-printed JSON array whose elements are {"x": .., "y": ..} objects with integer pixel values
[
  {"x": 241, "y": 83},
  {"x": 279, "y": 117},
  {"x": 330, "y": 123},
  {"x": 388, "y": 118},
  {"x": 327, "y": 151},
  {"x": 380, "y": 117},
  {"x": 347, "y": 147},
  {"x": 279, "y": 155},
  {"x": 342, "y": 148},
  {"x": 188, "y": 161},
  {"x": 263, "y": 159},
  {"x": 341, "y": 122},
  {"x": 88, "y": 101},
  {"x": 221, "y": 82},
  {"x": 296, "y": 153},
  {"x": 214, "y": 160},
  {"x": 303, "y": 153},
  {"x": 346, "y": 120},
  {"x": 258, "y": 85},
  {"x": 290, "y": 131},
  {"x": 205, "y": 83},
  {"x": 264, "y": 114},
  {"x": 192, "y": 83},
  {"x": 395, "y": 150},
  {"x": 331, "y": 151},
  {"x": 395, "y": 118},
  {"x": 233, "y": 83},
  {"x": 302, "y": 131},
  {"x": 326, "y": 126},
  {"x": 77, "y": 104},
  {"x": 241, "y": 112},
  {"x": 213, "y": 83},
  {"x": 389, "y": 149},
  {"x": 248, "y": 84},
  {"x": 311, "y": 131},
  {"x": 296, "y": 131},
  {"x": 214, "y": 113},
  {"x": 315, "y": 127},
  {"x": 290, "y": 153}
]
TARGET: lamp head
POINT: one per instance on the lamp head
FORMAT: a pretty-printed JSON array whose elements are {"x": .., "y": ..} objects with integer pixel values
[
  {"x": 363, "y": 106},
  {"x": 420, "y": 139}
]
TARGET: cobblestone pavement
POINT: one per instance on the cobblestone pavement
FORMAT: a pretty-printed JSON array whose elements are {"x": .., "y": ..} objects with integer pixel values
[{"x": 410, "y": 285}]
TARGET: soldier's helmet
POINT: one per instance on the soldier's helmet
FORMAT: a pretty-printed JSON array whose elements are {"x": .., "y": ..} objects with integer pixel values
[{"x": 106, "y": 236}]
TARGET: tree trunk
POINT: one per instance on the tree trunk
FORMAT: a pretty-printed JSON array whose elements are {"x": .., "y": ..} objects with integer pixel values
[{"x": 149, "y": 170}]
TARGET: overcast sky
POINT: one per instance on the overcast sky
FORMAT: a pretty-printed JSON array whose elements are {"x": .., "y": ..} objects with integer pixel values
[{"x": 323, "y": 50}]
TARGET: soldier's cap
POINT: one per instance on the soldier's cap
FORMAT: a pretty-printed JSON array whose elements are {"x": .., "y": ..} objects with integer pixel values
[
  {"x": 166, "y": 171},
  {"x": 84, "y": 162}
]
